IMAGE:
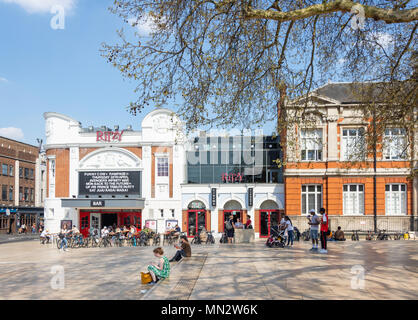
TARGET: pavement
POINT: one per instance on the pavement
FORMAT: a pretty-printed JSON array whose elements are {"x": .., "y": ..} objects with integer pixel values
[
  {"x": 351, "y": 270},
  {"x": 6, "y": 238}
]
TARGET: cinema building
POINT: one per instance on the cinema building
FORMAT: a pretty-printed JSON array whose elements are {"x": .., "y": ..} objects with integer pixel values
[
  {"x": 155, "y": 177},
  {"x": 102, "y": 177},
  {"x": 232, "y": 175}
]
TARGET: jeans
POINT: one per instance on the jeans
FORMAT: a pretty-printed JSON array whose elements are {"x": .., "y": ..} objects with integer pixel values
[
  {"x": 290, "y": 237},
  {"x": 178, "y": 255},
  {"x": 324, "y": 240},
  {"x": 64, "y": 242}
]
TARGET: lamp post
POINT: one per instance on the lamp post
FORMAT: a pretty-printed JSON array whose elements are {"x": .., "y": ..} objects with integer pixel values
[{"x": 374, "y": 169}]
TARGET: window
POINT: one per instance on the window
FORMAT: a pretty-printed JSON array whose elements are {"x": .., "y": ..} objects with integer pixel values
[
  {"x": 20, "y": 194},
  {"x": 26, "y": 173},
  {"x": 311, "y": 198},
  {"x": 11, "y": 193},
  {"x": 5, "y": 169},
  {"x": 4, "y": 193},
  {"x": 395, "y": 199},
  {"x": 31, "y": 174},
  {"x": 394, "y": 146},
  {"x": 311, "y": 144},
  {"x": 353, "y": 144},
  {"x": 32, "y": 195},
  {"x": 26, "y": 194},
  {"x": 162, "y": 167},
  {"x": 353, "y": 199},
  {"x": 20, "y": 172},
  {"x": 11, "y": 169}
]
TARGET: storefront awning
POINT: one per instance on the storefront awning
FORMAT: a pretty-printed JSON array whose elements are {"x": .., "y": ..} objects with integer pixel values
[{"x": 103, "y": 203}]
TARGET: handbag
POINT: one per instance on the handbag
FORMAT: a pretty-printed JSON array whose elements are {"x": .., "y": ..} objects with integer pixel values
[{"x": 146, "y": 277}]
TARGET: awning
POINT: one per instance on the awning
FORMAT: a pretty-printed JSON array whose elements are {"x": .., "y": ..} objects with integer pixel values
[{"x": 130, "y": 203}]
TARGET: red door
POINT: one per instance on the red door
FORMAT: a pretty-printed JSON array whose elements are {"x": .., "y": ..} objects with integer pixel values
[
  {"x": 130, "y": 218},
  {"x": 85, "y": 223}
]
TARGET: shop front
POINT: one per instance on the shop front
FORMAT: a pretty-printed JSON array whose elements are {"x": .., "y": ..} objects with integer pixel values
[
  {"x": 97, "y": 219},
  {"x": 233, "y": 208},
  {"x": 196, "y": 218},
  {"x": 12, "y": 219},
  {"x": 269, "y": 216}
]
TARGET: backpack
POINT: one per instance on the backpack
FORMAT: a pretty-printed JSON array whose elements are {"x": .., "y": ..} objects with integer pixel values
[{"x": 228, "y": 225}]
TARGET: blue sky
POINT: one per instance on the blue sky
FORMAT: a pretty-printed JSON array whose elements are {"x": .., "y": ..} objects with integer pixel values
[{"x": 42, "y": 69}]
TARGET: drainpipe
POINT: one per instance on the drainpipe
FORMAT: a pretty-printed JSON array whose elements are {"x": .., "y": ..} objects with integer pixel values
[{"x": 374, "y": 168}]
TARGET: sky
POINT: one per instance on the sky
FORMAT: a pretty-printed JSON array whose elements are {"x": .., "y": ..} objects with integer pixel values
[
  {"x": 51, "y": 65},
  {"x": 46, "y": 69}
]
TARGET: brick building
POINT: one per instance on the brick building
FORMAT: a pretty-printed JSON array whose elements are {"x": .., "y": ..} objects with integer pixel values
[
  {"x": 327, "y": 165},
  {"x": 20, "y": 185}
]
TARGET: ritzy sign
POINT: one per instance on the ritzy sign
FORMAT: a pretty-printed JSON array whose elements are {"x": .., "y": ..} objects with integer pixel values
[{"x": 109, "y": 136}]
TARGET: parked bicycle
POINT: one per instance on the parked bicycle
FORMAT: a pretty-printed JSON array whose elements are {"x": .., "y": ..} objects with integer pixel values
[
  {"x": 210, "y": 239},
  {"x": 306, "y": 235},
  {"x": 354, "y": 236},
  {"x": 383, "y": 235}
]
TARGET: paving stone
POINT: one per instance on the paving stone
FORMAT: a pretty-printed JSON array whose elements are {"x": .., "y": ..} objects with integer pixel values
[{"x": 221, "y": 271}]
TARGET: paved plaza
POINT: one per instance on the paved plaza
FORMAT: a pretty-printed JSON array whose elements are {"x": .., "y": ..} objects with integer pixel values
[{"x": 244, "y": 271}]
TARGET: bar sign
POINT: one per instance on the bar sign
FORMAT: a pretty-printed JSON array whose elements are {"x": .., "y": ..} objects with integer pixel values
[
  {"x": 250, "y": 197},
  {"x": 213, "y": 197},
  {"x": 97, "y": 203}
]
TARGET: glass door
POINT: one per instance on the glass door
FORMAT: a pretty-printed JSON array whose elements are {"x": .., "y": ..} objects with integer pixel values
[
  {"x": 196, "y": 220},
  {"x": 268, "y": 219},
  {"x": 237, "y": 214}
]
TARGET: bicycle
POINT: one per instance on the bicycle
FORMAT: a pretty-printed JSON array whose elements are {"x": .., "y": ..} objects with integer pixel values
[
  {"x": 383, "y": 235},
  {"x": 306, "y": 235},
  {"x": 210, "y": 239},
  {"x": 156, "y": 239},
  {"x": 370, "y": 236},
  {"x": 104, "y": 242},
  {"x": 196, "y": 239},
  {"x": 296, "y": 234},
  {"x": 354, "y": 236}
]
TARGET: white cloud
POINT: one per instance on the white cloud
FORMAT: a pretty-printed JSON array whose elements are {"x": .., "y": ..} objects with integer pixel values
[
  {"x": 144, "y": 26},
  {"x": 42, "y": 6},
  {"x": 3, "y": 80},
  {"x": 382, "y": 38},
  {"x": 12, "y": 133}
]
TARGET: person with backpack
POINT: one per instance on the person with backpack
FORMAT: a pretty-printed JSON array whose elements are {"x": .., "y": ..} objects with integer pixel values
[
  {"x": 324, "y": 230},
  {"x": 229, "y": 227},
  {"x": 289, "y": 228}
]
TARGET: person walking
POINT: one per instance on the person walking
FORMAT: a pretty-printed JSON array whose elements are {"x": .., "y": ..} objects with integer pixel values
[
  {"x": 289, "y": 228},
  {"x": 314, "y": 223},
  {"x": 324, "y": 230},
  {"x": 230, "y": 228}
]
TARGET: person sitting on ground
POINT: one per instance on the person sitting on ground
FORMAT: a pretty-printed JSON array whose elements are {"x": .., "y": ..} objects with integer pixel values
[
  {"x": 45, "y": 236},
  {"x": 339, "y": 235},
  {"x": 182, "y": 251},
  {"x": 160, "y": 270}
]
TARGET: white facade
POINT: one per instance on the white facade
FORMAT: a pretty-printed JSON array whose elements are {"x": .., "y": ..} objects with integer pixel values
[
  {"x": 159, "y": 131},
  {"x": 164, "y": 195}
]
